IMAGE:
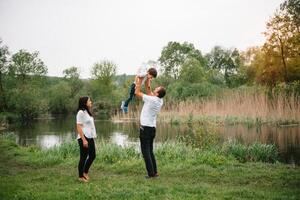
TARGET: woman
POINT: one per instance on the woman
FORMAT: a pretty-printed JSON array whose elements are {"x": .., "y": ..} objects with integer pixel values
[{"x": 86, "y": 134}]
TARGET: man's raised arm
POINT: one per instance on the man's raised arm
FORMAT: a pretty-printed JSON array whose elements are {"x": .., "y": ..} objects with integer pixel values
[
  {"x": 138, "y": 82},
  {"x": 148, "y": 87}
]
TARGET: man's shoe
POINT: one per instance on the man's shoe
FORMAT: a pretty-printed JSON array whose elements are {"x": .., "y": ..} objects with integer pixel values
[{"x": 154, "y": 176}]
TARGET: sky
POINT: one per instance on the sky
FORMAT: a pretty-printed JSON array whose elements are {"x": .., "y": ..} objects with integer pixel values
[{"x": 80, "y": 33}]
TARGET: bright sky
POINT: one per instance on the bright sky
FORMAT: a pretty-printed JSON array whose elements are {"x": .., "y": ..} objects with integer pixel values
[{"x": 128, "y": 32}]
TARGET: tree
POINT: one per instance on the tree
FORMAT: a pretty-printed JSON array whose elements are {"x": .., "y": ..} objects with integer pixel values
[
  {"x": 59, "y": 98},
  {"x": 226, "y": 61},
  {"x": 251, "y": 60},
  {"x": 192, "y": 71},
  {"x": 26, "y": 69},
  {"x": 71, "y": 75},
  {"x": 3, "y": 70},
  {"x": 102, "y": 75},
  {"x": 292, "y": 7},
  {"x": 25, "y": 65},
  {"x": 283, "y": 40},
  {"x": 175, "y": 54}
]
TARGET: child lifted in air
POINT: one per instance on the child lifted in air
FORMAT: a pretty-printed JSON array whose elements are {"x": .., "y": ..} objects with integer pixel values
[{"x": 142, "y": 72}]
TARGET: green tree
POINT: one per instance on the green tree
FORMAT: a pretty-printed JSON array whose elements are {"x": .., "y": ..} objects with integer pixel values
[
  {"x": 59, "y": 98},
  {"x": 26, "y": 66},
  {"x": 71, "y": 75},
  {"x": 192, "y": 71},
  {"x": 25, "y": 98},
  {"x": 27, "y": 103},
  {"x": 4, "y": 53},
  {"x": 175, "y": 54},
  {"x": 103, "y": 73},
  {"x": 226, "y": 61}
]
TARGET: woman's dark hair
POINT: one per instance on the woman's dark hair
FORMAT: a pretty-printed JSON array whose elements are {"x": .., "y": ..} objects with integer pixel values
[
  {"x": 153, "y": 72},
  {"x": 82, "y": 105}
]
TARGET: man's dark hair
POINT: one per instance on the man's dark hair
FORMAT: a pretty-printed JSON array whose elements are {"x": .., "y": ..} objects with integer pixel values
[
  {"x": 161, "y": 92},
  {"x": 152, "y": 71}
]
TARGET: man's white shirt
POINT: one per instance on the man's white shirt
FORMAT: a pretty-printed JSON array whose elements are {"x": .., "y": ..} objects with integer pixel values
[{"x": 151, "y": 107}]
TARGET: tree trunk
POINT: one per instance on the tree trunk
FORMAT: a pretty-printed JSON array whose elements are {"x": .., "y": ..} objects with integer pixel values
[{"x": 283, "y": 61}]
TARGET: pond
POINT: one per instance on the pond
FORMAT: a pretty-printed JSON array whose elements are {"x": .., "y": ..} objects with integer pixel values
[{"x": 48, "y": 133}]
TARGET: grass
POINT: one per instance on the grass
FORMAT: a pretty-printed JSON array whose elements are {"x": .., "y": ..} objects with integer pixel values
[
  {"x": 117, "y": 173},
  {"x": 251, "y": 106}
]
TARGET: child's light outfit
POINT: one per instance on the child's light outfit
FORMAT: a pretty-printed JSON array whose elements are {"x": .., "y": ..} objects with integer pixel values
[{"x": 141, "y": 72}]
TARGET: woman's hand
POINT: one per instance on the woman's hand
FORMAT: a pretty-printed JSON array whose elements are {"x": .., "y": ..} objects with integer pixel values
[{"x": 85, "y": 143}]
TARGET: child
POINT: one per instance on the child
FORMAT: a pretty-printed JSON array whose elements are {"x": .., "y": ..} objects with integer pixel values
[{"x": 142, "y": 72}]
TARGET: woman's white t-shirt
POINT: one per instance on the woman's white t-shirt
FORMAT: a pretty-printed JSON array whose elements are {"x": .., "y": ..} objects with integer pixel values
[{"x": 87, "y": 122}]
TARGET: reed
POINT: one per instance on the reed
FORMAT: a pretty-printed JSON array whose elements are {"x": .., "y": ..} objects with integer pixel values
[{"x": 251, "y": 106}]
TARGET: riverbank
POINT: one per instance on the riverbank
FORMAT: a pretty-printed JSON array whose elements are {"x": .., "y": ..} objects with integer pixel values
[{"x": 31, "y": 173}]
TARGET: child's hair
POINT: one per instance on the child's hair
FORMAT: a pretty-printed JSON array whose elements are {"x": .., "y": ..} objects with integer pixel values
[{"x": 152, "y": 71}]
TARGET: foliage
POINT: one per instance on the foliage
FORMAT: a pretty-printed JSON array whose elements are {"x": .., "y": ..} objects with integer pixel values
[
  {"x": 256, "y": 152},
  {"x": 72, "y": 75},
  {"x": 27, "y": 103},
  {"x": 3, "y": 70},
  {"x": 60, "y": 100},
  {"x": 175, "y": 54},
  {"x": 25, "y": 66},
  {"x": 185, "y": 90},
  {"x": 192, "y": 71},
  {"x": 102, "y": 79},
  {"x": 226, "y": 61},
  {"x": 202, "y": 136}
]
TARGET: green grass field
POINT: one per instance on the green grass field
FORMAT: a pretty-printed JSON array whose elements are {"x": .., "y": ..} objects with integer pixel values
[{"x": 31, "y": 173}]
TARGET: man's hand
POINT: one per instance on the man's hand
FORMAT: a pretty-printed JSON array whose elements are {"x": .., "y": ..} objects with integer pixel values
[
  {"x": 148, "y": 86},
  {"x": 138, "y": 92}
]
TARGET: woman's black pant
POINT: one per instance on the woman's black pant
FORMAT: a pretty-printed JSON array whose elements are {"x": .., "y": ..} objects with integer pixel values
[
  {"x": 87, "y": 156},
  {"x": 147, "y": 135}
]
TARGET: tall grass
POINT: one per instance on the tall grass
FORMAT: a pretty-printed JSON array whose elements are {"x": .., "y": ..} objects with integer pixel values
[
  {"x": 252, "y": 105},
  {"x": 255, "y": 152},
  {"x": 167, "y": 152}
]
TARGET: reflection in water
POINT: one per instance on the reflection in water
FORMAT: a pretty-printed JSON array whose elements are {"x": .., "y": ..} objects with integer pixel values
[
  {"x": 48, "y": 141},
  {"x": 48, "y": 133},
  {"x": 122, "y": 140},
  {"x": 287, "y": 139}
]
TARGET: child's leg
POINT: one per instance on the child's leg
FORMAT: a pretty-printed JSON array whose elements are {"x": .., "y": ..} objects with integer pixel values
[{"x": 131, "y": 95}]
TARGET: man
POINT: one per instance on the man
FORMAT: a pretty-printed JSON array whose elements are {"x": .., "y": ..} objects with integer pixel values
[{"x": 152, "y": 104}]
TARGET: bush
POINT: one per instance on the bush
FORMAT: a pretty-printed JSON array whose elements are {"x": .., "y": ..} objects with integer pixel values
[
  {"x": 112, "y": 153},
  {"x": 204, "y": 136},
  {"x": 183, "y": 91},
  {"x": 255, "y": 152}
]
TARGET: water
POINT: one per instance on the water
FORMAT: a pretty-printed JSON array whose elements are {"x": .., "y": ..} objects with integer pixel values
[{"x": 48, "y": 133}]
